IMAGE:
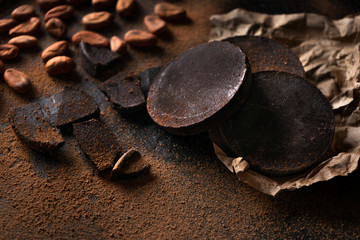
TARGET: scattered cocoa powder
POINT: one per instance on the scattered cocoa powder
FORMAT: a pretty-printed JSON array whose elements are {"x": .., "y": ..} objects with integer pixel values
[{"x": 189, "y": 195}]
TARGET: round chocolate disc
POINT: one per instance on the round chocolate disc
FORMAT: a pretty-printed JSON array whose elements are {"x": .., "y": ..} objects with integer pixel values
[
  {"x": 265, "y": 54},
  {"x": 284, "y": 126},
  {"x": 199, "y": 88}
]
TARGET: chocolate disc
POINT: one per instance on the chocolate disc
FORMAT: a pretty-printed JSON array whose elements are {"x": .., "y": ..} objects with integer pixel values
[
  {"x": 265, "y": 54},
  {"x": 198, "y": 89},
  {"x": 284, "y": 126}
]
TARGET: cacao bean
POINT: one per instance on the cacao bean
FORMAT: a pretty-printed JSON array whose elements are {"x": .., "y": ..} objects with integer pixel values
[
  {"x": 62, "y": 12},
  {"x": 30, "y": 27},
  {"x": 56, "y": 28},
  {"x": 170, "y": 12},
  {"x": 91, "y": 38},
  {"x": 60, "y": 65},
  {"x": 97, "y": 20},
  {"x": 57, "y": 49},
  {"x": 17, "y": 81},
  {"x": 8, "y": 51},
  {"x": 22, "y": 13},
  {"x": 117, "y": 45},
  {"x": 140, "y": 38},
  {"x": 154, "y": 24},
  {"x": 24, "y": 41}
]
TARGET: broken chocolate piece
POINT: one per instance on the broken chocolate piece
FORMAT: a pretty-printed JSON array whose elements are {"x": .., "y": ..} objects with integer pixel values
[
  {"x": 76, "y": 106},
  {"x": 147, "y": 77},
  {"x": 124, "y": 92},
  {"x": 284, "y": 126},
  {"x": 97, "y": 142},
  {"x": 200, "y": 88},
  {"x": 130, "y": 165},
  {"x": 265, "y": 54},
  {"x": 96, "y": 60},
  {"x": 31, "y": 126}
]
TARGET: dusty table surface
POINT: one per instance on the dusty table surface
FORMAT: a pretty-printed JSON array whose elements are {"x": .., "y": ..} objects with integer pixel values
[{"x": 189, "y": 193}]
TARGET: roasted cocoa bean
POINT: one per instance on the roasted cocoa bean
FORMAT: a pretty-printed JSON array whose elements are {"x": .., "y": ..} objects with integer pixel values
[
  {"x": 8, "y": 51},
  {"x": 22, "y": 13},
  {"x": 24, "y": 41},
  {"x": 91, "y": 38},
  {"x": 56, "y": 28},
  {"x": 57, "y": 49},
  {"x": 6, "y": 24},
  {"x": 17, "y": 81},
  {"x": 97, "y": 20},
  {"x": 102, "y": 4},
  {"x": 60, "y": 65},
  {"x": 125, "y": 7},
  {"x": 48, "y": 4},
  {"x": 62, "y": 12},
  {"x": 170, "y": 12},
  {"x": 154, "y": 24},
  {"x": 30, "y": 27},
  {"x": 117, "y": 45},
  {"x": 139, "y": 38}
]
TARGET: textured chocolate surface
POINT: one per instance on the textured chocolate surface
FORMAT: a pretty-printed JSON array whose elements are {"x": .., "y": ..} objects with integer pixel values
[
  {"x": 265, "y": 54},
  {"x": 194, "y": 91},
  {"x": 75, "y": 106},
  {"x": 284, "y": 126},
  {"x": 124, "y": 92},
  {"x": 31, "y": 126},
  {"x": 97, "y": 142}
]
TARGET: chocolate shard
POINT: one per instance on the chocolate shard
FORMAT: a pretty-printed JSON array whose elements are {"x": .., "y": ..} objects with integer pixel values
[
  {"x": 125, "y": 93},
  {"x": 265, "y": 54},
  {"x": 96, "y": 60},
  {"x": 130, "y": 165},
  {"x": 97, "y": 142},
  {"x": 284, "y": 126},
  {"x": 147, "y": 77},
  {"x": 31, "y": 126},
  {"x": 199, "y": 88},
  {"x": 76, "y": 106}
]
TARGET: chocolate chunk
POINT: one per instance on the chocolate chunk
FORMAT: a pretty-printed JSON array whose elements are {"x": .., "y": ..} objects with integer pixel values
[
  {"x": 284, "y": 126},
  {"x": 130, "y": 165},
  {"x": 124, "y": 92},
  {"x": 31, "y": 126},
  {"x": 97, "y": 142},
  {"x": 265, "y": 54},
  {"x": 76, "y": 106},
  {"x": 96, "y": 60},
  {"x": 200, "y": 88},
  {"x": 147, "y": 77}
]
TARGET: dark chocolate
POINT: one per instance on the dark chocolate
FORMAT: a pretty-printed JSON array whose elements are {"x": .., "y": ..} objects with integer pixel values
[
  {"x": 130, "y": 165},
  {"x": 96, "y": 60},
  {"x": 75, "y": 106},
  {"x": 97, "y": 142},
  {"x": 147, "y": 77},
  {"x": 199, "y": 88},
  {"x": 124, "y": 92},
  {"x": 31, "y": 126},
  {"x": 265, "y": 54},
  {"x": 284, "y": 126}
]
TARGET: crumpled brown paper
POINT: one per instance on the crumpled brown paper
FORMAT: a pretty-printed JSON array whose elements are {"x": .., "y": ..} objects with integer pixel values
[{"x": 329, "y": 52}]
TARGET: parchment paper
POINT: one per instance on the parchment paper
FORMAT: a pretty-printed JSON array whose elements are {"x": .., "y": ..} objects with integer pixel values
[{"x": 329, "y": 52}]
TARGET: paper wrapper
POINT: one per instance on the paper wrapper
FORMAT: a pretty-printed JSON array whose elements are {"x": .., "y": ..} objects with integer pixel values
[{"x": 329, "y": 52}]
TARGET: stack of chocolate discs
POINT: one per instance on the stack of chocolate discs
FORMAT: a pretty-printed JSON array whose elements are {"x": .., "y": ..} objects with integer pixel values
[{"x": 281, "y": 125}]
